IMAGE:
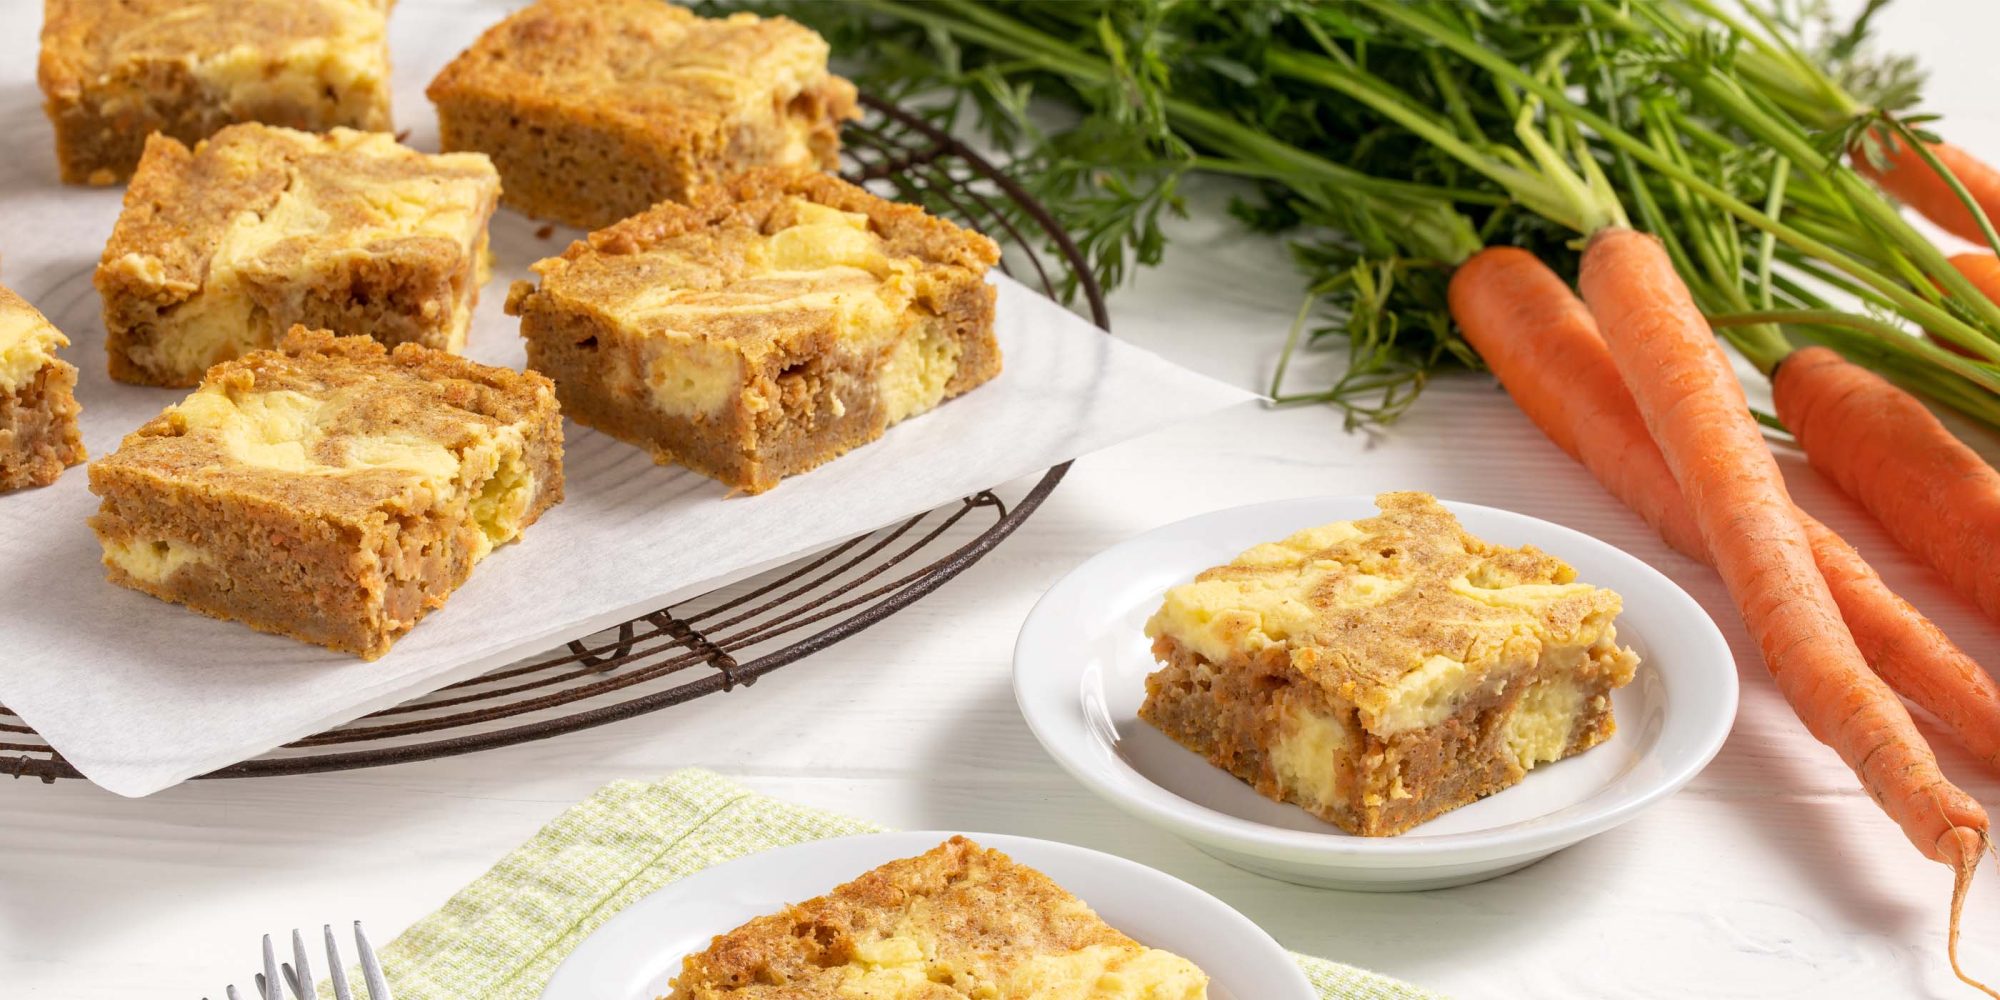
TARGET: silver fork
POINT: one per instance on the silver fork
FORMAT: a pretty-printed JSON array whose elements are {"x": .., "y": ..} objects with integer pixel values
[{"x": 298, "y": 976}]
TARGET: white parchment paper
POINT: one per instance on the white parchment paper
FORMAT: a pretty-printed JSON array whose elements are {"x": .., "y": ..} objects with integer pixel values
[{"x": 139, "y": 694}]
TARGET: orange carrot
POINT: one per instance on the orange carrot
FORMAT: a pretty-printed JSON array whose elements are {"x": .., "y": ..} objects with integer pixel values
[
  {"x": 1529, "y": 327},
  {"x": 1538, "y": 338},
  {"x": 1982, "y": 269},
  {"x": 1696, "y": 412},
  {"x": 1907, "y": 649},
  {"x": 1914, "y": 183},
  {"x": 1541, "y": 342},
  {"x": 1936, "y": 496}
]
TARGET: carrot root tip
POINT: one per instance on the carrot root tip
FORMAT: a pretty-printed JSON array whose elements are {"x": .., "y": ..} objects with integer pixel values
[{"x": 1961, "y": 886}]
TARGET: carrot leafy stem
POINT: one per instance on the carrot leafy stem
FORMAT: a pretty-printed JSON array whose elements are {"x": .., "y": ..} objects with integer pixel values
[{"x": 1389, "y": 139}]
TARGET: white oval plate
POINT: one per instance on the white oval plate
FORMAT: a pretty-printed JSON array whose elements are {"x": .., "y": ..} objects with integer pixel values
[
  {"x": 1082, "y": 659},
  {"x": 636, "y": 953}
]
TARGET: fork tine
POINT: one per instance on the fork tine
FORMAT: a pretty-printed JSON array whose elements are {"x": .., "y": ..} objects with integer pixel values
[
  {"x": 337, "y": 971},
  {"x": 297, "y": 975},
  {"x": 378, "y": 988},
  {"x": 301, "y": 971},
  {"x": 268, "y": 983}
]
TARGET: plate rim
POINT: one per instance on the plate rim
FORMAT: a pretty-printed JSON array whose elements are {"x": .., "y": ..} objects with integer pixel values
[
  {"x": 1333, "y": 848},
  {"x": 1252, "y": 938}
]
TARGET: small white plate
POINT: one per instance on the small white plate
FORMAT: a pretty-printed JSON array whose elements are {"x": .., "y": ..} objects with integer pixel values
[
  {"x": 636, "y": 953},
  {"x": 1082, "y": 659}
]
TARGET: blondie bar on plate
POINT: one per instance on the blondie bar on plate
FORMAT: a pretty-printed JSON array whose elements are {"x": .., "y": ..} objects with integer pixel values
[
  {"x": 1382, "y": 671},
  {"x": 38, "y": 431},
  {"x": 957, "y": 922},
  {"x": 115, "y": 71},
  {"x": 597, "y": 109},
  {"x": 222, "y": 247},
  {"x": 765, "y": 327},
  {"x": 333, "y": 491}
]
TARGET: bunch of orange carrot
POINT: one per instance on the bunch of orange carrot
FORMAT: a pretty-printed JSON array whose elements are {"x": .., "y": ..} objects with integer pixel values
[{"x": 1631, "y": 381}]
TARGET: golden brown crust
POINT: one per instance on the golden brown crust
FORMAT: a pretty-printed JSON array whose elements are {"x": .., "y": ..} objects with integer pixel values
[
  {"x": 178, "y": 203},
  {"x": 709, "y": 238},
  {"x": 82, "y": 39},
  {"x": 804, "y": 383},
  {"x": 754, "y": 200},
  {"x": 182, "y": 199},
  {"x": 1440, "y": 604},
  {"x": 114, "y": 72},
  {"x": 596, "y": 109},
  {"x": 340, "y": 541},
  {"x": 626, "y": 60},
  {"x": 985, "y": 912},
  {"x": 416, "y": 391}
]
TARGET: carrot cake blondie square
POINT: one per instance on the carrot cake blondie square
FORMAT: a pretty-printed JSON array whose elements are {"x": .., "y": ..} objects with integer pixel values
[
  {"x": 222, "y": 247},
  {"x": 1380, "y": 672},
  {"x": 597, "y": 109},
  {"x": 115, "y": 71},
  {"x": 333, "y": 490},
  {"x": 957, "y": 922},
  {"x": 38, "y": 432},
  {"x": 766, "y": 327}
]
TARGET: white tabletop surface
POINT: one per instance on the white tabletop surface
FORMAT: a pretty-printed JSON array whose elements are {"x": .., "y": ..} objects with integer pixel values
[{"x": 1771, "y": 875}]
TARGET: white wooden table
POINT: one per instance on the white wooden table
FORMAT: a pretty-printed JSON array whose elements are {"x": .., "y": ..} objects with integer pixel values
[{"x": 1771, "y": 875}]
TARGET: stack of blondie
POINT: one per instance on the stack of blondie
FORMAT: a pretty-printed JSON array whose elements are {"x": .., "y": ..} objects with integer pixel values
[{"x": 338, "y": 469}]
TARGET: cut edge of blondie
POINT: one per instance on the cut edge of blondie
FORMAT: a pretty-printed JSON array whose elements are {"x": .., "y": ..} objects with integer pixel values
[
  {"x": 1260, "y": 720},
  {"x": 760, "y": 449},
  {"x": 38, "y": 428},
  {"x": 629, "y": 169},
  {"x": 39, "y": 435}
]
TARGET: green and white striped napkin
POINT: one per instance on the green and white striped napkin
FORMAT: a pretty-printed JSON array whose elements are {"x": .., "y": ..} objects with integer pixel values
[{"x": 502, "y": 936}]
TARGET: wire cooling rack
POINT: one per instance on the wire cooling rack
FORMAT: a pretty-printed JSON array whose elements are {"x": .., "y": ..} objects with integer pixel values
[{"x": 729, "y": 637}]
